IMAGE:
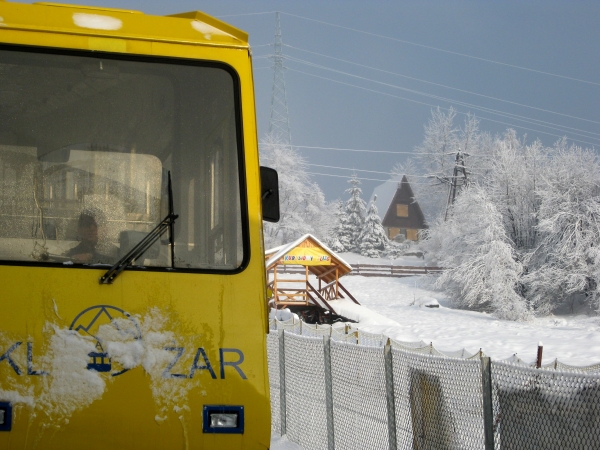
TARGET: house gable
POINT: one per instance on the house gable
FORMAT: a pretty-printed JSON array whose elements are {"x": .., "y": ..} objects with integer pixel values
[{"x": 404, "y": 212}]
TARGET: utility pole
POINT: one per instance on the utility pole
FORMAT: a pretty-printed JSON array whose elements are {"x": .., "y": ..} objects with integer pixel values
[
  {"x": 459, "y": 179},
  {"x": 279, "y": 125}
]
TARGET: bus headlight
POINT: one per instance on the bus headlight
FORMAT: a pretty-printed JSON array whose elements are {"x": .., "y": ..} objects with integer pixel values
[
  {"x": 5, "y": 416},
  {"x": 223, "y": 419}
]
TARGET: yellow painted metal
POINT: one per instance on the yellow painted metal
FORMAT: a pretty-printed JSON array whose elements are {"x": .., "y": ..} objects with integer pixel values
[{"x": 136, "y": 410}]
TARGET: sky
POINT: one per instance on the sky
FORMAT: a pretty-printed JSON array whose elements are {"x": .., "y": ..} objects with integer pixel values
[{"x": 384, "y": 65}]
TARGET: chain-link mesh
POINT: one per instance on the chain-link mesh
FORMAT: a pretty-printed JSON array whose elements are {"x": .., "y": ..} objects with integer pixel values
[
  {"x": 461, "y": 354},
  {"x": 540, "y": 409},
  {"x": 477, "y": 355},
  {"x": 292, "y": 325},
  {"x": 407, "y": 345},
  {"x": 359, "y": 399},
  {"x": 273, "y": 365},
  {"x": 305, "y": 391},
  {"x": 557, "y": 365},
  {"x": 371, "y": 339},
  {"x": 315, "y": 330},
  {"x": 516, "y": 361},
  {"x": 340, "y": 335},
  {"x": 273, "y": 324},
  {"x": 438, "y": 402}
]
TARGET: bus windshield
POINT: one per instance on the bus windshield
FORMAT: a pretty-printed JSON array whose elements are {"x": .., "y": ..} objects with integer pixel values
[{"x": 86, "y": 143}]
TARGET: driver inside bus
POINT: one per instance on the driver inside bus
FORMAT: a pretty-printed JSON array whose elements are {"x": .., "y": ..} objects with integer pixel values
[{"x": 89, "y": 250}]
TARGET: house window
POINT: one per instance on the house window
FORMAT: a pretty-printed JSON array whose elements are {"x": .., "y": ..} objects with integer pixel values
[
  {"x": 402, "y": 210},
  {"x": 392, "y": 232},
  {"x": 412, "y": 235}
]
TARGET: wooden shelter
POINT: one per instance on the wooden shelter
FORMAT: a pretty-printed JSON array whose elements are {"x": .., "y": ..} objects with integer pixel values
[
  {"x": 404, "y": 215},
  {"x": 289, "y": 270}
]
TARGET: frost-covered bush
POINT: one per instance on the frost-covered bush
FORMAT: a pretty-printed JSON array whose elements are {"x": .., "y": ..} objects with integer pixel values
[{"x": 481, "y": 269}]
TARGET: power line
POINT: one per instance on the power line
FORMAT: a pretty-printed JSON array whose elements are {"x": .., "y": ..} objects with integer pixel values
[
  {"x": 437, "y": 97},
  {"x": 367, "y": 151},
  {"x": 432, "y": 106},
  {"x": 442, "y": 50},
  {"x": 444, "y": 86},
  {"x": 360, "y": 170},
  {"x": 360, "y": 178},
  {"x": 391, "y": 174}
]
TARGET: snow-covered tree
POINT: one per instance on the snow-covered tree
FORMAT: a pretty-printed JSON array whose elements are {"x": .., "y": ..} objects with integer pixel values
[
  {"x": 302, "y": 203},
  {"x": 482, "y": 272},
  {"x": 515, "y": 177},
  {"x": 434, "y": 156},
  {"x": 373, "y": 239},
  {"x": 355, "y": 217},
  {"x": 566, "y": 262},
  {"x": 335, "y": 239}
]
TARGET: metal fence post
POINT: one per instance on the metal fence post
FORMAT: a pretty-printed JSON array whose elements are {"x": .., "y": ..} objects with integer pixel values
[
  {"x": 328, "y": 392},
  {"x": 488, "y": 412},
  {"x": 389, "y": 393},
  {"x": 282, "y": 403}
]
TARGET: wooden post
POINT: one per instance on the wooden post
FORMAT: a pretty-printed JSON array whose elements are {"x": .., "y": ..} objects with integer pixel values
[
  {"x": 488, "y": 409},
  {"x": 337, "y": 288},
  {"x": 275, "y": 296},
  {"x": 282, "y": 396},
  {"x": 538, "y": 361},
  {"x": 389, "y": 395},
  {"x": 328, "y": 393},
  {"x": 306, "y": 286}
]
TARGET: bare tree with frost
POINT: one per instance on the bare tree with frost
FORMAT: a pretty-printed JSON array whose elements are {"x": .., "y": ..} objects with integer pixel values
[
  {"x": 565, "y": 265},
  {"x": 302, "y": 203},
  {"x": 515, "y": 178},
  {"x": 434, "y": 156}
]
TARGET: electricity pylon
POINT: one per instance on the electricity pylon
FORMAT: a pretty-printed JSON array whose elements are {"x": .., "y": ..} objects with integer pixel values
[{"x": 279, "y": 125}]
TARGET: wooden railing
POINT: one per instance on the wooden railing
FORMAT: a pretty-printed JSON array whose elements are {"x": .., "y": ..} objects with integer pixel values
[{"x": 374, "y": 270}]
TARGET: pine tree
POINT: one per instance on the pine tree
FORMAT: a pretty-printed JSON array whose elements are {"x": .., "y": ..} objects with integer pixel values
[
  {"x": 373, "y": 239},
  {"x": 355, "y": 217}
]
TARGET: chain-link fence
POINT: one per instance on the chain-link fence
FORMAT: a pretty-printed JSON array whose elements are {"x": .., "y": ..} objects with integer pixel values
[
  {"x": 545, "y": 409},
  {"x": 328, "y": 392}
]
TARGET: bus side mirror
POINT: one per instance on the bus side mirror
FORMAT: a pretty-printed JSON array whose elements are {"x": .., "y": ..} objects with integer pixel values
[{"x": 269, "y": 193}]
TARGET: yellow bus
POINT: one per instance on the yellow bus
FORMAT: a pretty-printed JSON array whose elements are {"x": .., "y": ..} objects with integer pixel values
[{"x": 132, "y": 283}]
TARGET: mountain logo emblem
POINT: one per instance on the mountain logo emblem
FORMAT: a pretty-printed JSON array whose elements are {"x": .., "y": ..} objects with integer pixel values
[{"x": 88, "y": 323}]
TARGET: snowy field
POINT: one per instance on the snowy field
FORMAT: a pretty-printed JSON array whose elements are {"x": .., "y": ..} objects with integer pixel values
[{"x": 396, "y": 307}]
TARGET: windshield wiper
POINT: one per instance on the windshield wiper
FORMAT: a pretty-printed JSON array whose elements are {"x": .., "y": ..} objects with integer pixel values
[{"x": 140, "y": 248}]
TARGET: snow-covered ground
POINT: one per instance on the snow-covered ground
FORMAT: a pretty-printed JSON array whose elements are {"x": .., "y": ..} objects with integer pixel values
[
  {"x": 395, "y": 308},
  {"x": 400, "y": 314}
]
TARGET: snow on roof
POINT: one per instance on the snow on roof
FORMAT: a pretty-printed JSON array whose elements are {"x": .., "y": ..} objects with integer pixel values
[
  {"x": 278, "y": 252},
  {"x": 385, "y": 194}
]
